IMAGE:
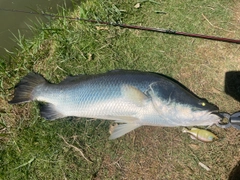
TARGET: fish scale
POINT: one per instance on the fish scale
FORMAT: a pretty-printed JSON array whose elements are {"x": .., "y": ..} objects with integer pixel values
[{"x": 132, "y": 98}]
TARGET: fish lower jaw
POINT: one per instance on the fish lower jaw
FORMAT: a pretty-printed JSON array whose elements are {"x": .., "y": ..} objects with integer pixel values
[
  {"x": 177, "y": 122},
  {"x": 201, "y": 123}
]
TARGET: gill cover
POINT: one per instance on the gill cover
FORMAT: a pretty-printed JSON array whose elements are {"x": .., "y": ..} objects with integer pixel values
[{"x": 167, "y": 92}]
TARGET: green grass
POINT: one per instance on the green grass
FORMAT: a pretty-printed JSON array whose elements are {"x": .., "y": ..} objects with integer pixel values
[{"x": 32, "y": 148}]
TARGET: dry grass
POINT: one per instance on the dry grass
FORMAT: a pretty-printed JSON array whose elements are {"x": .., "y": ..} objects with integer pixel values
[
  {"x": 165, "y": 152},
  {"x": 60, "y": 148}
]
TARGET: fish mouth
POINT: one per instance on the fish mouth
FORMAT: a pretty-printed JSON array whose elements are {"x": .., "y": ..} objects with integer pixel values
[
  {"x": 215, "y": 111},
  {"x": 212, "y": 108}
]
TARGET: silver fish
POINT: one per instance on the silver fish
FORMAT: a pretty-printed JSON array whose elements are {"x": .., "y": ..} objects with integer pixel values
[{"x": 132, "y": 98}]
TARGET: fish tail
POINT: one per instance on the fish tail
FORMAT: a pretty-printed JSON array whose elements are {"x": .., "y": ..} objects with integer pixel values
[{"x": 24, "y": 90}]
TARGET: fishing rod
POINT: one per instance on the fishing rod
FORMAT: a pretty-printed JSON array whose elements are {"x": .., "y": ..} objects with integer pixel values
[{"x": 159, "y": 30}]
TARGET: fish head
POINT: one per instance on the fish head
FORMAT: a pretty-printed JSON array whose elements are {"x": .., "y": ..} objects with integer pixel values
[
  {"x": 198, "y": 104},
  {"x": 181, "y": 106}
]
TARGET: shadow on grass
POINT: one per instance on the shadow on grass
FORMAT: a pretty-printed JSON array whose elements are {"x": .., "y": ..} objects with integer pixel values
[
  {"x": 235, "y": 173},
  {"x": 232, "y": 88},
  {"x": 232, "y": 84}
]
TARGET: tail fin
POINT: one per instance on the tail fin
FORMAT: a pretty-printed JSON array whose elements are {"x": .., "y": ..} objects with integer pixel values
[{"x": 23, "y": 91}]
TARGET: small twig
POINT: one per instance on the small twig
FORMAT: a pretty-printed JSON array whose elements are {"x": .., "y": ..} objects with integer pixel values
[
  {"x": 25, "y": 164},
  {"x": 204, "y": 166},
  {"x": 151, "y": 1},
  {"x": 117, "y": 163},
  {"x": 75, "y": 148},
  {"x": 214, "y": 25}
]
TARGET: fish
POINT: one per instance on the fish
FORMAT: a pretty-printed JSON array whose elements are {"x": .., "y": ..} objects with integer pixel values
[
  {"x": 200, "y": 134},
  {"x": 131, "y": 98}
]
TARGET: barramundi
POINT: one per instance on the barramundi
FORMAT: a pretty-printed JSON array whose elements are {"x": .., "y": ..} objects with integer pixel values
[{"x": 131, "y": 98}]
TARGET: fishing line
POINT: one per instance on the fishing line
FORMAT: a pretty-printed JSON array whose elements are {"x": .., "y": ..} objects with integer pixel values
[{"x": 159, "y": 30}]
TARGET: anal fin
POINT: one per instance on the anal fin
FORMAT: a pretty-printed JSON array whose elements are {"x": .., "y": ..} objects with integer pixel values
[
  {"x": 49, "y": 112},
  {"x": 123, "y": 129}
]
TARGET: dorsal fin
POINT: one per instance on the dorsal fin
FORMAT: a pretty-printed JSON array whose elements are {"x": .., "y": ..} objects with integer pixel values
[
  {"x": 81, "y": 77},
  {"x": 76, "y": 79}
]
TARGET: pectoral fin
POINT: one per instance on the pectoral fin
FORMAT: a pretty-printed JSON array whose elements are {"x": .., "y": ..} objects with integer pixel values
[
  {"x": 134, "y": 95},
  {"x": 123, "y": 129}
]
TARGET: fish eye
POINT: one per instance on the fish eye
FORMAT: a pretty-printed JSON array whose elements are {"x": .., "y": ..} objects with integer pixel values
[{"x": 203, "y": 104}]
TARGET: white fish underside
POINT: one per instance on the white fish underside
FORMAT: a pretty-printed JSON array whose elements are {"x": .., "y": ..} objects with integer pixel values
[{"x": 124, "y": 111}]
